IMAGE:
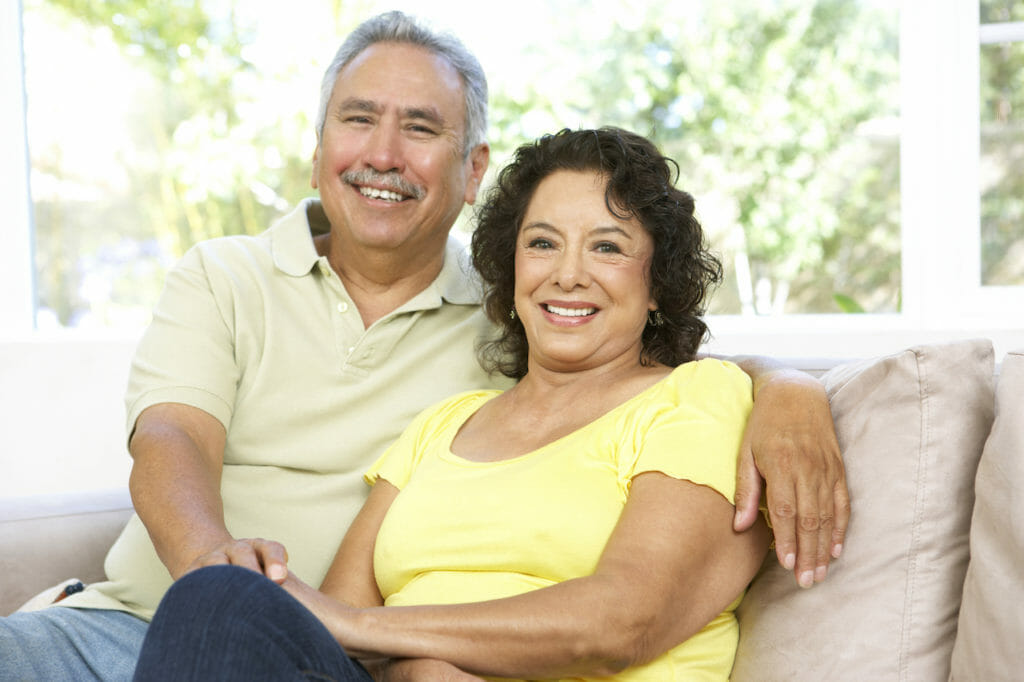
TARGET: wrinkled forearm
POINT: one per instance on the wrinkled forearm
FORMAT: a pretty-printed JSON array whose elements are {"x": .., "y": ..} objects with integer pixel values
[
  {"x": 176, "y": 493},
  {"x": 564, "y": 630}
]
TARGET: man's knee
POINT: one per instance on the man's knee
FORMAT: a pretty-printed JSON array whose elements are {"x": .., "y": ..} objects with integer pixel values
[{"x": 215, "y": 581}]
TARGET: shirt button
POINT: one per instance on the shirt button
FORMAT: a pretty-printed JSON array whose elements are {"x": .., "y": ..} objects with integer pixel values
[{"x": 343, "y": 307}]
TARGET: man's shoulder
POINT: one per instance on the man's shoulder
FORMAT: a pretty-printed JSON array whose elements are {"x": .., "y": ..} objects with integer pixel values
[
  {"x": 287, "y": 242},
  {"x": 458, "y": 280}
]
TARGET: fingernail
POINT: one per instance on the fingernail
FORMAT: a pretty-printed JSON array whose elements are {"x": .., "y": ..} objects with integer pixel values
[
  {"x": 806, "y": 579},
  {"x": 837, "y": 550},
  {"x": 789, "y": 562},
  {"x": 278, "y": 572},
  {"x": 820, "y": 573}
]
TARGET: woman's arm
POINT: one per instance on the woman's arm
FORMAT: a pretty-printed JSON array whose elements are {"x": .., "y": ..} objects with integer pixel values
[
  {"x": 672, "y": 564},
  {"x": 351, "y": 581},
  {"x": 790, "y": 441}
]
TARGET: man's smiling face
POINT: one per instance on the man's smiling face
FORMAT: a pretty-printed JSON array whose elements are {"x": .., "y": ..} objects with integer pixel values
[{"x": 390, "y": 165}]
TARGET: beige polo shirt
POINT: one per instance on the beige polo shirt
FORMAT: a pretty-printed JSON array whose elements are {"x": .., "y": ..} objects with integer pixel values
[{"x": 260, "y": 333}]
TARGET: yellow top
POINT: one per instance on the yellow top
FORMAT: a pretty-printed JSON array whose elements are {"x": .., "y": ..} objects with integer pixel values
[{"x": 462, "y": 531}]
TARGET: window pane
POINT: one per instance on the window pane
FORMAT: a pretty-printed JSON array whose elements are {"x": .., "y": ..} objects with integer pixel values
[
  {"x": 1002, "y": 158},
  {"x": 151, "y": 127},
  {"x": 997, "y": 11}
]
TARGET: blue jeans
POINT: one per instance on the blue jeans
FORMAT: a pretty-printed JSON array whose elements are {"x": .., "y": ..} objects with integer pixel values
[
  {"x": 60, "y": 643},
  {"x": 229, "y": 623}
]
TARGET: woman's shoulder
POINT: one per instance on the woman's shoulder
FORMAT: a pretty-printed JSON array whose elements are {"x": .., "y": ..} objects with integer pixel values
[
  {"x": 710, "y": 373},
  {"x": 456, "y": 408}
]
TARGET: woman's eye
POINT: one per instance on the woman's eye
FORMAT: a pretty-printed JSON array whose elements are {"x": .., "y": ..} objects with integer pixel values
[
  {"x": 539, "y": 243},
  {"x": 608, "y": 247}
]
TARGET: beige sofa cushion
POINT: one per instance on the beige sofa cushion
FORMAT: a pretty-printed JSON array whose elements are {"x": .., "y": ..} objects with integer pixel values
[
  {"x": 911, "y": 427},
  {"x": 46, "y": 540},
  {"x": 991, "y": 634}
]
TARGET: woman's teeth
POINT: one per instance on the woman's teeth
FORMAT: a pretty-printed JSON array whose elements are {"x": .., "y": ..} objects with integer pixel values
[{"x": 571, "y": 312}]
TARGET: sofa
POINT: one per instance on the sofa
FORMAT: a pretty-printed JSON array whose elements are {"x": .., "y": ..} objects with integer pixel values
[{"x": 929, "y": 586}]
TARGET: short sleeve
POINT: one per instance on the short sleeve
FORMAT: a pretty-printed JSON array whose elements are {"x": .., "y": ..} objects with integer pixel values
[
  {"x": 400, "y": 459},
  {"x": 432, "y": 429},
  {"x": 695, "y": 428},
  {"x": 187, "y": 354}
]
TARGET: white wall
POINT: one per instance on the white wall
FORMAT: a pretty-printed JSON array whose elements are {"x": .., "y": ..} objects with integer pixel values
[{"x": 62, "y": 415}]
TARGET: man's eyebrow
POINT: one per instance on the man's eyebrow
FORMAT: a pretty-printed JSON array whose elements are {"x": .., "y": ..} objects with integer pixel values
[
  {"x": 430, "y": 114},
  {"x": 357, "y": 104}
]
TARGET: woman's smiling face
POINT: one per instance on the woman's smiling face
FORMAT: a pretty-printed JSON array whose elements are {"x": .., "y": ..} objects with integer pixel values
[{"x": 582, "y": 285}]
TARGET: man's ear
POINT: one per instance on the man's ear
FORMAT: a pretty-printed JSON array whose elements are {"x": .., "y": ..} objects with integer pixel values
[
  {"x": 478, "y": 159},
  {"x": 316, "y": 165}
]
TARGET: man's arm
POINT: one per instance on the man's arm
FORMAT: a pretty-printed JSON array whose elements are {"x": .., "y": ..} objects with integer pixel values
[
  {"x": 790, "y": 441},
  {"x": 178, "y": 453}
]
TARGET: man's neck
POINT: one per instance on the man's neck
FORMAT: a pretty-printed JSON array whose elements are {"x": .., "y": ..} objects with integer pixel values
[{"x": 379, "y": 281}]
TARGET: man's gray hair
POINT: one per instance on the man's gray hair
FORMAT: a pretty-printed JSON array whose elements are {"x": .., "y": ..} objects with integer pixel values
[{"x": 396, "y": 27}]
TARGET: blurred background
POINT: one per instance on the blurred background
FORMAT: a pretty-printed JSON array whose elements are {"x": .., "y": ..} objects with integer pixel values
[{"x": 153, "y": 125}]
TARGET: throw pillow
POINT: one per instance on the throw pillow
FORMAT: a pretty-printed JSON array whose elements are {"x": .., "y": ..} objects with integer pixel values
[
  {"x": 911, "y": 427},
  {"x": 991, "y": 619}
]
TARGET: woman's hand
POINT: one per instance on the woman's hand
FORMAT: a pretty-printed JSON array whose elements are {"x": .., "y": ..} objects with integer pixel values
[
  {"x": 790, "y": 442},
  {"x": 422, "y": 670}
]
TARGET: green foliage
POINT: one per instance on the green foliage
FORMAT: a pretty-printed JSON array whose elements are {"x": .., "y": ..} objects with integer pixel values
[
  {"x": 781, "y": 116},
  {"x": 847, "y": 304},
  {"x": 1002, "y": 156}
]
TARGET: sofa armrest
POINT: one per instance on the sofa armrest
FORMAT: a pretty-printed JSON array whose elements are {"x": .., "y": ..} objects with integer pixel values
[{"x": 47, "y": 539}]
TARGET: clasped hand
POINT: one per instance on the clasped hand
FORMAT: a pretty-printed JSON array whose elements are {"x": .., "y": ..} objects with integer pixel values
[{"x": 263, "y": 556}]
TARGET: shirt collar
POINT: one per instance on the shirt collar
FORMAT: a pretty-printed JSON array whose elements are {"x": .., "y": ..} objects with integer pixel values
[
  {"x": 294, "y": 254},
  {"x": 291, "y": 238}
]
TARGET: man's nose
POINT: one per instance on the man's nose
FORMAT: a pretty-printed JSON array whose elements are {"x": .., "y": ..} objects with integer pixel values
[{"x": 384, "y": 149}]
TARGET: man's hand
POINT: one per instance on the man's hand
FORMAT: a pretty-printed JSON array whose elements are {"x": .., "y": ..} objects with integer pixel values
[
  {"x": 263, "y": 556},
  {"x": 422, "y": 670},
  {"x": 790, "y": 441}
]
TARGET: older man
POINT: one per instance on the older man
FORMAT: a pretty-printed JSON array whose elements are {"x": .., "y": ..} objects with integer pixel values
[{"x": 278, "y": 367}]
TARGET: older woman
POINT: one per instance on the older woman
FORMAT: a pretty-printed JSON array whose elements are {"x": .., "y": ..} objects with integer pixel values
[{"x": 577, "y": 525}]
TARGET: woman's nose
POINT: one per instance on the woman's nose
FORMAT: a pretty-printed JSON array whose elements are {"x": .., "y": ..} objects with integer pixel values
[{"x": 571, "y": 270}]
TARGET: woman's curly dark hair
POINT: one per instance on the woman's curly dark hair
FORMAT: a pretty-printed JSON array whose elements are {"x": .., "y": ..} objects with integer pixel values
[{"x": 640, "y": 185}]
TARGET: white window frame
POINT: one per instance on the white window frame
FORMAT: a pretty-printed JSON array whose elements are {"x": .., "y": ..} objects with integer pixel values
[
  {"x": 941, "y": 290},
  {"x": 17, "y": 289}
]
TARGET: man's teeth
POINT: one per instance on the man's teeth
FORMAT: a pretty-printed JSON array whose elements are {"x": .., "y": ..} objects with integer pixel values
[
  {"x": 386, "y": 195},
  {"x": 571, "y": 312}
]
